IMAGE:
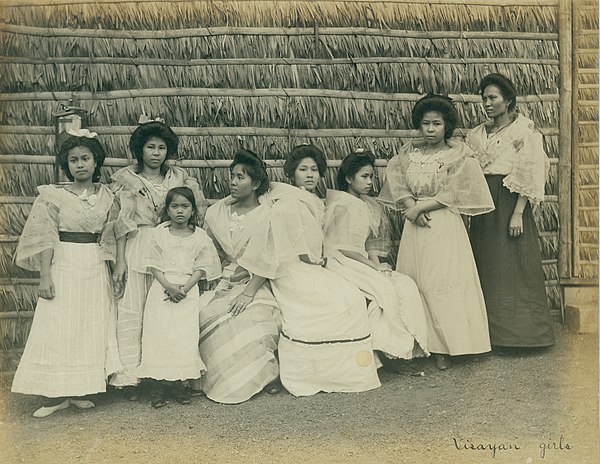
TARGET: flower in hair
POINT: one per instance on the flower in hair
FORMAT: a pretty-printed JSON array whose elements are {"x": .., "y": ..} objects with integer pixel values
[
  {"x": 145, "y": 119},
  {"x": 82, "y": 133}
]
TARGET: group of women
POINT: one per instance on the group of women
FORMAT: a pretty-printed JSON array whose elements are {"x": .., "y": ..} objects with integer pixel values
[{"x": 302, "y": 292}]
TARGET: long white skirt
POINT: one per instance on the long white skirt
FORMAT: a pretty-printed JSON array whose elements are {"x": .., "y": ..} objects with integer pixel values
[
  {"x": 130, "y": 309},
  {"x": 325, "y": 344},
  {"x": 71, "y": 349},
  {"x": 396, "y": 313},
  {"x": 171, "y": 333},
  {"x": 440, "y": 261}
]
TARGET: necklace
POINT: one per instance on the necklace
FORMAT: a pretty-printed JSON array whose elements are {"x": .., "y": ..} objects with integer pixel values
[
  {"x": 424, "y": 161},
  {"x": 150, "y": 179}
]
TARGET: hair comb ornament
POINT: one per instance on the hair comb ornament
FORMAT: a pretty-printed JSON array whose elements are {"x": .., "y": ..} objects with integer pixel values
[
  {"x": 145, "y": 119},
  {"x": 82, "y": 133},
  {"x": 359, "y": 150}
]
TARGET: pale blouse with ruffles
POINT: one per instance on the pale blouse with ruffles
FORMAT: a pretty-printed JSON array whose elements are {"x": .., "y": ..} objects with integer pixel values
[
  {"x": 451, "y": 176},
  {"x": 355, "y": 224},
  {"x": 516, "y": 152},
  {"x": 57, "y": 209},
  {"x": 142, "y": 201}
]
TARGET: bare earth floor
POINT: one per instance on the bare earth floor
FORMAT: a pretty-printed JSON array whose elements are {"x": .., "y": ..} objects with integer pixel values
[{"x": 532, "y": 407}]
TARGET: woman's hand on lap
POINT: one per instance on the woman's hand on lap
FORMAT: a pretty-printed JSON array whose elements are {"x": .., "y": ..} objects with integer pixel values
[
  {"x": 423, "y": 220},
  {"x": 412, "y": 213},
  {"x": 240, "y": 304}
]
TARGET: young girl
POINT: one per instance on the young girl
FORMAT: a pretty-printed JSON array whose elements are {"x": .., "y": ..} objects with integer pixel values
[
  {"x": 179, "y": 255},
  {"x": 71, "y": 349},
  {"x": 434, "y": 183},
  {"x": 356, "y": 239},
  {"x": 140, "y": 191}
]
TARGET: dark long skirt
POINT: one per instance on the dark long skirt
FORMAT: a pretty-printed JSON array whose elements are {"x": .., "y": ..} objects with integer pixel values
[{"x": 511, "y": 274}]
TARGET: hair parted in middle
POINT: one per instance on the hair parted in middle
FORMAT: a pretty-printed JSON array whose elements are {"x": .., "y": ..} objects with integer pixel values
[
  {"x": 92, "y": 144},
  {"x": 351, "y": 164},
  {"x": 440, "y": 104},
  {"x": 187, "y": 193},
  {"x": 148, "y": 130},
  {"x": 301, "y": 152},
  {"x": 254, "y": 167}
]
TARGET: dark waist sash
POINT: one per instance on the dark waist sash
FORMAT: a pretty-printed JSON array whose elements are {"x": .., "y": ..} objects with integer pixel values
[
  {"x": 350, "y": 340},
  {"x": 78, "y": 237}
]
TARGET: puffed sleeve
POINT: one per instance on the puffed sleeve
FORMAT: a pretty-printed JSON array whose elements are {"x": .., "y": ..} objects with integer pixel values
[
  {"x": 207, "y": 259},
  {"x": 379, "y": 243},
  {"x": 155, "y": 253},
  {"x": 463, "y": 188},
  {"x": 40, "y": 232},
  {"x": 343, "y": 229},
  {"x": 530, "y": 168},
  {"x": 108, "y": 241},
  {"x": 395, "y": 186},
  {"x": 125, "y": 200}
]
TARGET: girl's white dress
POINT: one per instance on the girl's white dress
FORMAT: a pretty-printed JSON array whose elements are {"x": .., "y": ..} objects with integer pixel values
[
  {"x": 171, "y": 330},
  {"x": 439, "y": 257},
  {"x": 239, "y": 351},
  {"x": 140, "y": 203},
  {"x": 71, "y": 349},
  {"x": 395, "y": 309},
  {"x": 325, "y": 344}
]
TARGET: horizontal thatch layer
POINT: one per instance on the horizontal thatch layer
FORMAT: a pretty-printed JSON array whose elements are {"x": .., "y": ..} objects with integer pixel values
[
  {"x": 265, "y": 111},
  {"x": 177, "y": 15}
]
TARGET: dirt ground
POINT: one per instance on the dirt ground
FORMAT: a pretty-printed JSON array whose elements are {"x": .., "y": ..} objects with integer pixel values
[{"x": 539, "y": 406}]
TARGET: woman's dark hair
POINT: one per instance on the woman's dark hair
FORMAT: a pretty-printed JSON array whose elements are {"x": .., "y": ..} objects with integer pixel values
[
  {"x": 351, "y": 165},
  {"x": 146, "y": 131},
  {"x": 504, "y": 84},
  {"x": 302, "y": 152},
  {"x": 440, "y": 104},
  {"x": 254, "y": 167},
  {"x": 188, "y": 195},
  {"x": 91, "y": 144}
]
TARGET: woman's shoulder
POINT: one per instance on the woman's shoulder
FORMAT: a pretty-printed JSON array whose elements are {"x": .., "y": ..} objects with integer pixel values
[
  {"x": 125, "y": 177},
  {"x": 51, "y": 194}
]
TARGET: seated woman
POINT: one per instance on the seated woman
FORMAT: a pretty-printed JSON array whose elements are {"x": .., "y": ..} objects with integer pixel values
[
  {"x": 356, "y": 239},
  {"x": 325, "y": 344},
  {"x": 239, "y": 328}
]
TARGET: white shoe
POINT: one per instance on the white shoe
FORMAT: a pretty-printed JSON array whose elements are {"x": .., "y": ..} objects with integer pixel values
[
  {"x": 82, "y": 404},
  {"x": 45, "y": 411}
]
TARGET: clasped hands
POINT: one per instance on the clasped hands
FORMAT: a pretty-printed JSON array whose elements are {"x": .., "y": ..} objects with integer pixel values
[
  {"x": 175, "y": 293},
  {"x": 415, "y": 216}
]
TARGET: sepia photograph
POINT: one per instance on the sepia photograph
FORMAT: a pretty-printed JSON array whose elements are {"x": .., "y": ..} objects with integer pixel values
[{"x": 304, "y": 231}]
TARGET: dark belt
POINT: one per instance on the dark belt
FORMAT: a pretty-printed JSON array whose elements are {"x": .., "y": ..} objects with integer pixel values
[
  {"x": 78, "y": 237},
  {"x": 327, "y": 342}
]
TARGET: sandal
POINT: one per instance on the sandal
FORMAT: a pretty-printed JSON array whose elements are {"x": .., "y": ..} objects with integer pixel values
[
  {"x": 82, "y": 404},
  {"x": 45, "y": 411}
]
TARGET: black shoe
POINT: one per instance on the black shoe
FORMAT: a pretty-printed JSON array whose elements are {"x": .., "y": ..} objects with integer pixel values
[
  {"x": 181, "y": 394},
  {"x": 132, "y": 393}
]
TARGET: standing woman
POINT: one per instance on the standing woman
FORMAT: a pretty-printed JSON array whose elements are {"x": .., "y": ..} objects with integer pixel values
[
  {"x": 505, "y": 242},
  {"x": 239, "y": 328},
  {"x": 434, "y": 182},
  {"x": 68, "y": 237},
  {"x": 356, "y": 241},
  {"x": 141, "y": 191}
]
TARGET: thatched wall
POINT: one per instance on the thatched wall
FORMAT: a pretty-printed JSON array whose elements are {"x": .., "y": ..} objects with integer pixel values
[
  {"x": 585, "y": 142},
  {"x": 265, "y": 75}
]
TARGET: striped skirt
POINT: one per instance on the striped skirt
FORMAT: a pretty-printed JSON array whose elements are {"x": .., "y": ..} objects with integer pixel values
[
  {"x": 71, "y": 349},
  {"x": 239, "y": 351}
]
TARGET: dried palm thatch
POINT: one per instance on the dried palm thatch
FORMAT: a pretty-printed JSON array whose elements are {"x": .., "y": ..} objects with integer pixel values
[{"x": 324, "y": 68}]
